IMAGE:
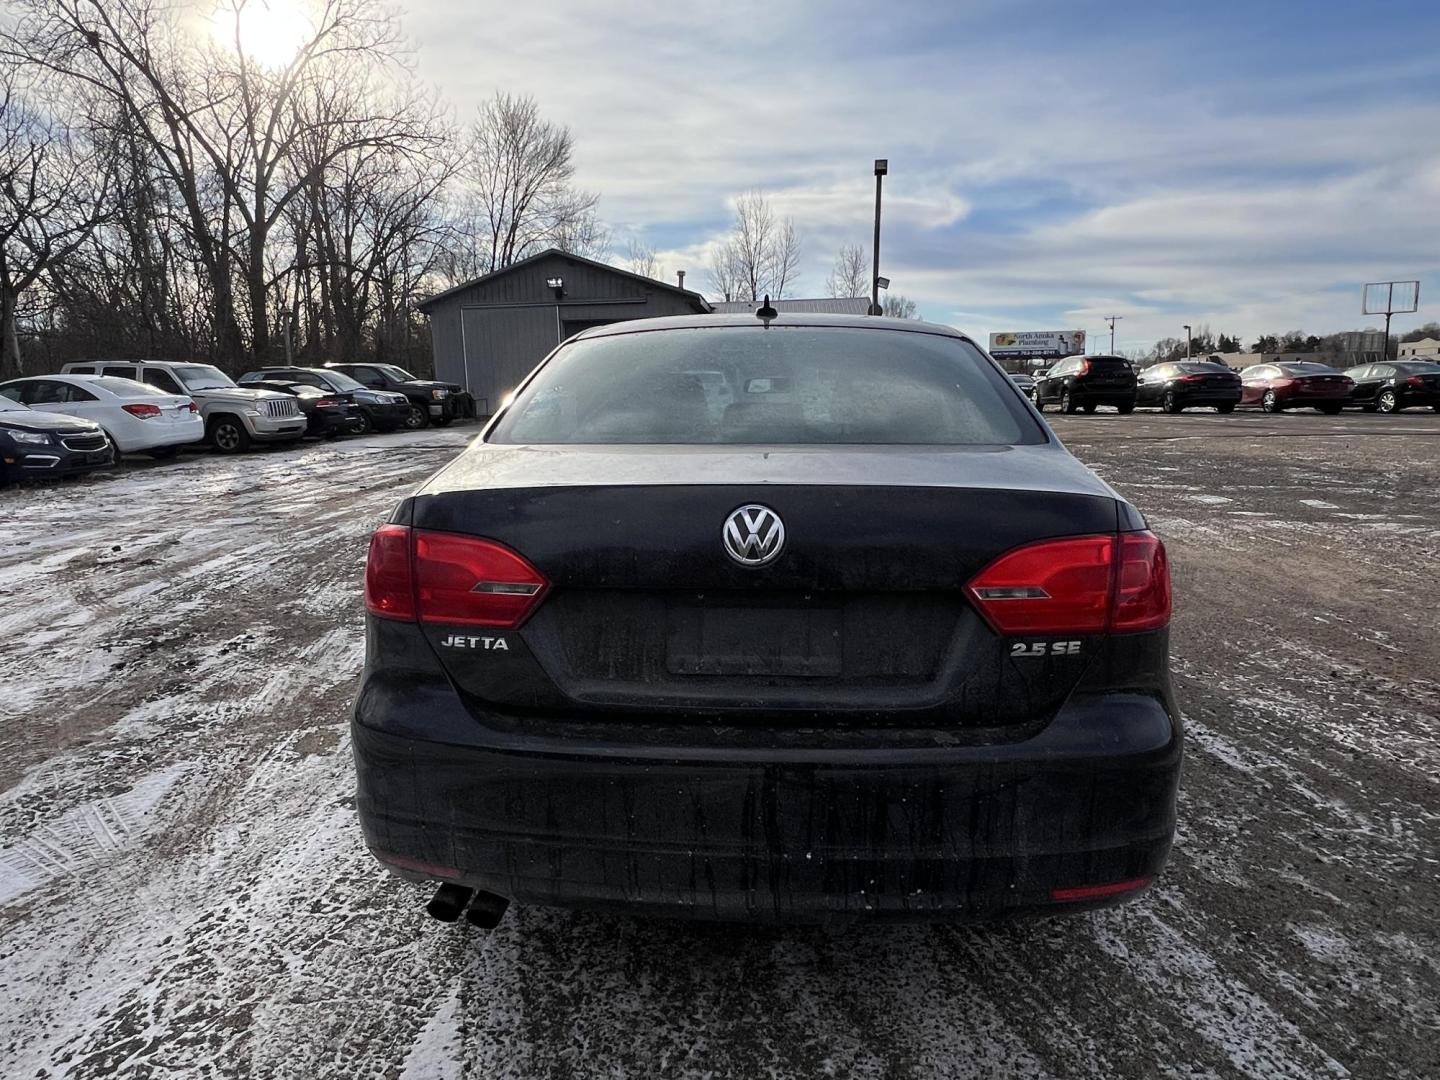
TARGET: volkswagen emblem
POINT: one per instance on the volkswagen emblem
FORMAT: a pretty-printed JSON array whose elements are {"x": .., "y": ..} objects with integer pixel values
[{"x": 753, "y": 535}]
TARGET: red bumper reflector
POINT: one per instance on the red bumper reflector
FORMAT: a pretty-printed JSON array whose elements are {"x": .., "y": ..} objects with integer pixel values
[
  {"x": 1095, "y": 892},
  {"x": 433, "y": 869}
]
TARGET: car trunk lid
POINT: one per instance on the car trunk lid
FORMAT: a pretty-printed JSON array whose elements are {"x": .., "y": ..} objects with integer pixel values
[{"x": 863, "y": 613}]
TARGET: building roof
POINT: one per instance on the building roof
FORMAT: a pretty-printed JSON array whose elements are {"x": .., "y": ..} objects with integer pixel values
[
  {"x": 429, "y": 302},
  {"x": 827, "y": 305}
]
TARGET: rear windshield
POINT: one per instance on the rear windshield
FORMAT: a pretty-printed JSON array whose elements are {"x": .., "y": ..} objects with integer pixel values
[
  {"x": 1193, "y": 366},
  {"x": 1306, "y": 369},
  {"x": 1418, "y": 367},
  {"x": 1108, "y": 363},
  {"x": 202, "y": 377},
  {"x": 342, "y": 382},
  {"x": 781, "y": 385},
  {"x": 126, "y": 387}
]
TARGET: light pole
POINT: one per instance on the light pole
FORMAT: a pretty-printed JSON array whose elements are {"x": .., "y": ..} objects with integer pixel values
[
  {"x": 557, "y": 286},
  {"x": 1112, "y": 320},
  {"x": 1187, "y": 342},
  {"x": 882, "y": 166}
]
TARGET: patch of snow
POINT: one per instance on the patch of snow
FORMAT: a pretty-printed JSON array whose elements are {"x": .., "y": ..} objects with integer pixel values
[{"x": 83, "y": 836}]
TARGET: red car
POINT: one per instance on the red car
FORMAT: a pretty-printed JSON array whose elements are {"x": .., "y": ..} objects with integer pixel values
[{"x": 1295, "y": 385}]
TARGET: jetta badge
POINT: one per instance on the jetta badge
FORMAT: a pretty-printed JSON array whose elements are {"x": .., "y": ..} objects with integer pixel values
[{"x": 753, "y": 535}]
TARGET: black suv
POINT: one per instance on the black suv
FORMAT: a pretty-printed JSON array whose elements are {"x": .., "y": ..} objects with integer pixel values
[
  {"x": 431, "y": 402},
  {"x": 1085, "y": 382}
]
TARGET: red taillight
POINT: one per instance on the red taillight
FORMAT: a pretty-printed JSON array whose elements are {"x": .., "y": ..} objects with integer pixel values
[
  {"x": 325, "y": 402},
  {"x": 444, "y": 578},
  {"x": 1055, "y": 586},
  {"x": 192, "y": 406},
  {"x": 1096, "y": 892},
  {"x": 465, "y": 581},
  {"x": 1084, "y": 368},
  {"x": 1142, "y": 584},
  {"x": 389, "y": 577},
  {"x": 1415, "y": 382},
  {"x": 144, "y": 412},
  {"x": 1191, "y": 378},
  {"x": 1077, "y": 585}
]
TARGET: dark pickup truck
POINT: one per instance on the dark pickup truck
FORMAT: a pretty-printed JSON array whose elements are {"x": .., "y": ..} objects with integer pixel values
[{"x": 431, "y": 402}]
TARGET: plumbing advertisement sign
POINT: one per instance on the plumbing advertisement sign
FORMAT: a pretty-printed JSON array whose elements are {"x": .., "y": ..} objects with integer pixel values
[{"x": 1042, "y": 344}]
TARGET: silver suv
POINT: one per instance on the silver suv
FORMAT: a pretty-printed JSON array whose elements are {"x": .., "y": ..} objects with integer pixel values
[{"x": 235, "y": 416}]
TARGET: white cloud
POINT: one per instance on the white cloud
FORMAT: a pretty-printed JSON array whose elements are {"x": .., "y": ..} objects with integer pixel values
[{"x": 1180, "y": 199}]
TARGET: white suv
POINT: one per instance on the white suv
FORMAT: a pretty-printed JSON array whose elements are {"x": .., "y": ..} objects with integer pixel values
[{"x": 235, "y": 416}]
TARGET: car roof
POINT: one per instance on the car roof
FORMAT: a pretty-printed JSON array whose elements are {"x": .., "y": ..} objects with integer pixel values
[
  {"x": 77, "y": 376},
  {"x": 692, "y": 322},
  {"x": 151, "y": 363}
]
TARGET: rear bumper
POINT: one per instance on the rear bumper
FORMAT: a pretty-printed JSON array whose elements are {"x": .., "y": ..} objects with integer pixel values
[
  {"x": 1209, "y": 397},
  {"x": 1103, "y": 395},
  {"x": 324, "y": 422},
  {"x": 183, "y": 433},
  {"x": 388, "y": 415},
  {"x": 963, "y": 833}
]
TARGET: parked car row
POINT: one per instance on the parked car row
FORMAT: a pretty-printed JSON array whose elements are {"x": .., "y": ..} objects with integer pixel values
[
  {"x": 93, "y": 412},
  {"x": 1086, "y": 382}
]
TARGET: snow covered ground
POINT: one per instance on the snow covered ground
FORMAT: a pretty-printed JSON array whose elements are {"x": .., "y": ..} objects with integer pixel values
[{"x": 183, "y": 891}]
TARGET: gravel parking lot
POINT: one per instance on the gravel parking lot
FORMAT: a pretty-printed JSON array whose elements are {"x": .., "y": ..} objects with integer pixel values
[{"x": 183, "y": 890}]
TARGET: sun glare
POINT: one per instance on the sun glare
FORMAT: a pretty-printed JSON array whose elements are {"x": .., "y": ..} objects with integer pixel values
[{"x": 271, "y": 32}]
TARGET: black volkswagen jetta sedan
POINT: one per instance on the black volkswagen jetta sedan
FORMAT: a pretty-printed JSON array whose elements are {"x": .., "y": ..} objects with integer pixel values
[{"x": 806, "y": 618}]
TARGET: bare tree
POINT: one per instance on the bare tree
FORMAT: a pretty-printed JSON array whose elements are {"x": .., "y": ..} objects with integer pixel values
[
  {"x": 222, "y": 125},
  {"x": 899, "y": 307},
  {"x": 131, "y": 289},
  {"x": 640, "y": 259},
  {"x": 727, "y": 278},
  {"x": 580, "y": 232},
  {"x": 254, "y": 192},
  {"x": 761, "y": 255},
  {"x": 54, "y": 191},
  {"x": 520, "y": 198},
  {"x": 785, "y": 258},
  {"x": 851, "y": 274},
  {"x": 368, "y": 218}
]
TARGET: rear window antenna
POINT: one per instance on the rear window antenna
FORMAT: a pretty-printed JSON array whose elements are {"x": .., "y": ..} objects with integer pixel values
[{"x": 765, "y": 312}]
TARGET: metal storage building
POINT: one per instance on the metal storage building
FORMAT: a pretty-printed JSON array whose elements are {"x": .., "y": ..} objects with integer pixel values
[
  {"x": 489, "y": 333},
  {"x": 825, "y": 305}
]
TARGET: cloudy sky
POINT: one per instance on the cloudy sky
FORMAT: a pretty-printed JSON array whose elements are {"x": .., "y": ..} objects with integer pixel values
[{"x": 1243, "y": 165}]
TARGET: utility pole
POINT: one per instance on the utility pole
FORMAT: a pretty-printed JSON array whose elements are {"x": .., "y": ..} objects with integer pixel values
[
  {"x": 1112, "y": 320},
  {"x": 1188, "y": 339},
  {"x": 882, "y": 166}
]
